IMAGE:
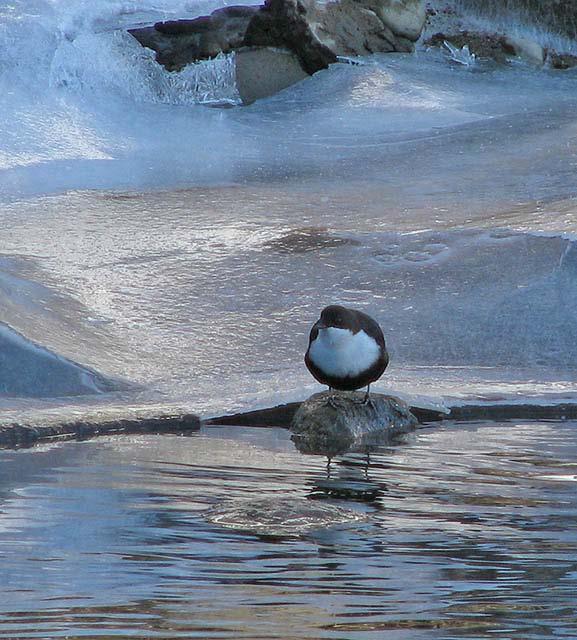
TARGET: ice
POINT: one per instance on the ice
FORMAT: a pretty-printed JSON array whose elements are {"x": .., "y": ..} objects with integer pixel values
[
  {"x": 27, "y": 369},
  {"x": 461, "y": 56},
  {"x": 187, "y": 250}
]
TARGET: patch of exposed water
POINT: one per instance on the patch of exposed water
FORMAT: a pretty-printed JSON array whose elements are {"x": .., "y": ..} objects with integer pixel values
[{"x": 468, "y": 531}]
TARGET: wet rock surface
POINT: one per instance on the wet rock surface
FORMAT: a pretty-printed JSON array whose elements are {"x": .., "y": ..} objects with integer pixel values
[
  {"x": 331, "y": 423},
  {"x": 24, "y": 435}
]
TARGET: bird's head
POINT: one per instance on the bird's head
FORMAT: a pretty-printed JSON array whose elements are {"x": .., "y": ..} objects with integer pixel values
[{"x": 337, "y": 317}]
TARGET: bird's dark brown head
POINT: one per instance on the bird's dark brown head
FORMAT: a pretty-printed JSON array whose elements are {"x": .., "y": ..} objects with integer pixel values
[{"x": 337, "y": 316}]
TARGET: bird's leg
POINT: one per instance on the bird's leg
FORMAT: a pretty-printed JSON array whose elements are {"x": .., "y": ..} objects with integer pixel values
[
  {"x": 367, "y": 398},
  {"x": 331, "y": 400}
]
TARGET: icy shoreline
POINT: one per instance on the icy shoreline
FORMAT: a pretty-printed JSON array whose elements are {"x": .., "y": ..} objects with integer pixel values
[{"x": 117, "y": 422}]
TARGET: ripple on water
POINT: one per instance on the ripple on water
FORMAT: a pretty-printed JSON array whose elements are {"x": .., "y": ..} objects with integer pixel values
[{"x": 280, "y": 516}]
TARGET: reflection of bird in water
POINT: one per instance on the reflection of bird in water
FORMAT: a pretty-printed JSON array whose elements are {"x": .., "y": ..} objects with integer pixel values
[
  {"x": 350, "y": 481},
  {"x": 346, "y": 350}
]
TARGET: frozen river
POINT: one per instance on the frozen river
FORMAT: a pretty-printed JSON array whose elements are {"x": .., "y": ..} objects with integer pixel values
[{"x": 179, "y": 254}]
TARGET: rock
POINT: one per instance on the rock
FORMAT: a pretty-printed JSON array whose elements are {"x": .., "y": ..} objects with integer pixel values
[
  {"x": 285, "y": 24},
  {"x": 501, "y": 48},
  {"x": 315, "y": 34},
  {"x": 331, "y": 423},
  {"x": 483, "y": 45},
  {"x": 405, "y": 18},
  {"x": 179, "y": 42},
  {"x": 527, "y": 50},
  {"x": 561, "y": 60},
  {"x": 26, "y": 435},
  {"x": 264, "y": 72}
]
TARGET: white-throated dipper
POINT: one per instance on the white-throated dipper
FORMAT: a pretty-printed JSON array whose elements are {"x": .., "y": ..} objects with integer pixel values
[{"x": 346, "y": 350}]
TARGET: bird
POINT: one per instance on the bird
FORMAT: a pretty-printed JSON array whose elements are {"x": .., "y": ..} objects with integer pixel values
[{"x": 347, "y": 350}]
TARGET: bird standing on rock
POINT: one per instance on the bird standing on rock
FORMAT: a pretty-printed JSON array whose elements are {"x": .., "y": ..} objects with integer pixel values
[{"x": 346, "y": 350}]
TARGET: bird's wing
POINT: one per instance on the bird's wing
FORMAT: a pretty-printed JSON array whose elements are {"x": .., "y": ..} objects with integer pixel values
[
  {"x": 373, "y": 328},
  {"x": 314, "y": 332}
]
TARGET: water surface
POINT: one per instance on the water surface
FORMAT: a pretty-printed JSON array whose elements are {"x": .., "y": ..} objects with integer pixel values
[{"x": 471, "y": 533}]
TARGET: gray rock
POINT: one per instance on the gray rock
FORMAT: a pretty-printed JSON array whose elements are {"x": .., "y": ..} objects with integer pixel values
[
  {"x": 262, "y": 72},
  {"x": 561, "y": 60},
  {"x": 18, "y": 435},
  {"x": 285, "y": 24},
  {"x": 331, "y": 423},
  {"x": 179, "y": 42},
  {"x": 314, "y": 34},
  {"x": 492, "y": 46},
  {"x": 527, "y": 49}
]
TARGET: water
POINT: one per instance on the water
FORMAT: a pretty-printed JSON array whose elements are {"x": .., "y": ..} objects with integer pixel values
[{"x": 471, "y": 534}]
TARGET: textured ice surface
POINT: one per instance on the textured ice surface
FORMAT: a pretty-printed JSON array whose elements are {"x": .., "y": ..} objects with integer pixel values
[{"x": 189, "y": 249}]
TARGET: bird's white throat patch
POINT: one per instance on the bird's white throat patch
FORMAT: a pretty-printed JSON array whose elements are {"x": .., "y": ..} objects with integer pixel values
[{"x": 342, "y": 353}]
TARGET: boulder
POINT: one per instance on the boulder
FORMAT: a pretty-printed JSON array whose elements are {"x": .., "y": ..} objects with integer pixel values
[
  {"x": 285, "y": 24},
  {"x": 315, "y": 34},
  {"x": 361, "y": 27},
  {"x": 491, "y": 46},
  {"x": 179, "y": 42},
  {"x": 561, "y": 60},
  {"x": 331, "y": 423},
  {"x": 405, "y": 18},
  {"x": 263, "y": 72},
  {"x": 527, "y": 49}
]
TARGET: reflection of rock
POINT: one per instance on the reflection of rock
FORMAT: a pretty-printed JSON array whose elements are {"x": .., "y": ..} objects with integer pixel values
[
  {"x": 314, "y": 34},
  {"x": 331, "y": 423}
]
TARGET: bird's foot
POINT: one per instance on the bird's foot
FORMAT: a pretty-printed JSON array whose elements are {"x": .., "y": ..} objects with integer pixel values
[
  {"x": 332, "y": 401},
  {"x": 368, "y": 401}
]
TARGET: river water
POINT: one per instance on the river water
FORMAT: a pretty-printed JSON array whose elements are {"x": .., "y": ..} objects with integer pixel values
[{"x": 469, "y": 532}]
